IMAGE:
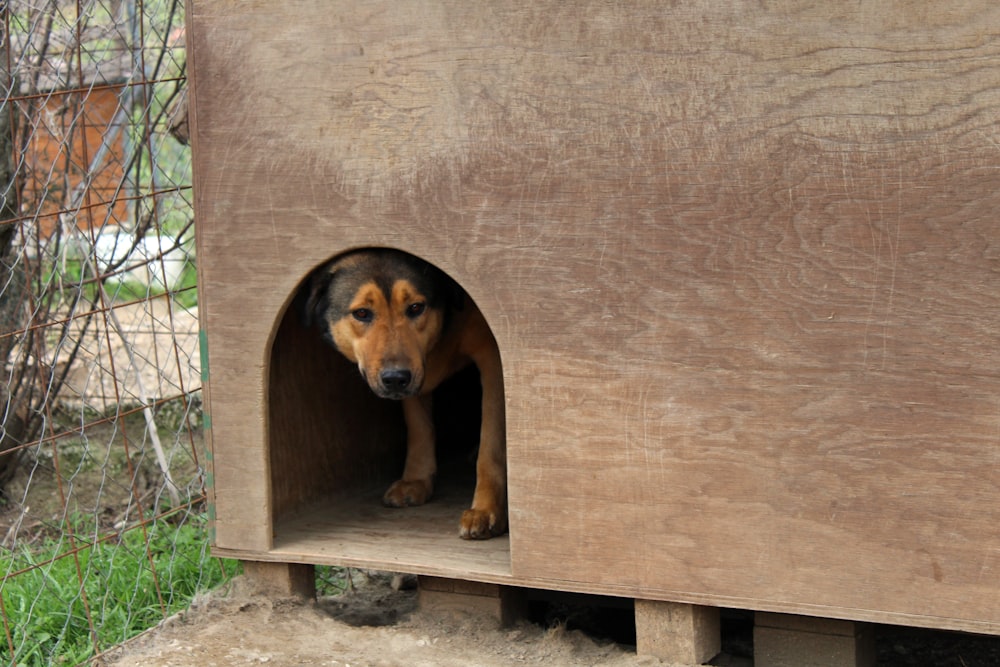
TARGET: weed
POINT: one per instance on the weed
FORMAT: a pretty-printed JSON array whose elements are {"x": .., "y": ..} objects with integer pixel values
[
  {"x": 332, "y": 580},
  {"x": 131, "y": 581}
]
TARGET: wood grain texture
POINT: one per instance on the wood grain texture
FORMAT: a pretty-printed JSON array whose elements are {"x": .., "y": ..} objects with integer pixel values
[
  {"x": 742, "y": 261},
  {"x": 327, "y": 433},
  {"x": 357, "y": 531},
  {"x": 677, "y": 633}
]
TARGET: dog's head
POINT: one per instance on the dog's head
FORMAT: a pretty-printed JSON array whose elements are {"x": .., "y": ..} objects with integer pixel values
[{"x": 384, "y": 310}]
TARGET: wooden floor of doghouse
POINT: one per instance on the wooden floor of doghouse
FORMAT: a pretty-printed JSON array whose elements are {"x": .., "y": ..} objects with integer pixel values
[{"x": 358, "y": 531}]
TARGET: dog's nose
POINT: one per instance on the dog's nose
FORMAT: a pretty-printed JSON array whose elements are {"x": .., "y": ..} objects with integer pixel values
[{"x": 396, "y": 379}]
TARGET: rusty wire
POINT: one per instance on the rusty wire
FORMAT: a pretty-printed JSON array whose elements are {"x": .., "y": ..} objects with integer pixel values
[{"x": 101, "y": 435}]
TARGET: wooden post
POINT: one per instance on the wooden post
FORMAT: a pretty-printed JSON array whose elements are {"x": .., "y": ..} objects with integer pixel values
[
  {"x": 281, "y": 579},
  {"x": 784, "y": 640},
  {"x": 504, "y": 603},
  {"x": 677, "y": 632}
]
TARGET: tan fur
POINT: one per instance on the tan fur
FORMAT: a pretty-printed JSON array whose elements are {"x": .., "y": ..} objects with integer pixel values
[{"x": 393, "y": 338}]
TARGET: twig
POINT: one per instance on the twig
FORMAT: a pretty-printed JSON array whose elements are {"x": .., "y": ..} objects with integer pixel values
[{"x": 147, "y": 411}]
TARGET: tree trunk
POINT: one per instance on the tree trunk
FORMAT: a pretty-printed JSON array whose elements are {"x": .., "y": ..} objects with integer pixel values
[{"x": 12, "y": 280}]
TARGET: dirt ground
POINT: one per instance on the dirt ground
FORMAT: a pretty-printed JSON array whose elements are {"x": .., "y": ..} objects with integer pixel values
[{"x": 374, "y": 625}]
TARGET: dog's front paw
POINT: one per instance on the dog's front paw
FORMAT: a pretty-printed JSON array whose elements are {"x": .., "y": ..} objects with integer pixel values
[
  {"x": 407, "y": 493},
  {"x": 479, "y": 524}
]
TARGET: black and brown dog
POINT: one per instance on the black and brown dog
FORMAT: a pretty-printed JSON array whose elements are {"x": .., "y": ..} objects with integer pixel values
[{"x": 408, "y": 327}]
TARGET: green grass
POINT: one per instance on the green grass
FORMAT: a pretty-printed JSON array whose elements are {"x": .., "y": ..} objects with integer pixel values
[
  {"x": 44, "y": 601},
  {"x": 183, "y": 293},
  {"x": 332, "y": 580},
  {"x": 63, "y": 282}
]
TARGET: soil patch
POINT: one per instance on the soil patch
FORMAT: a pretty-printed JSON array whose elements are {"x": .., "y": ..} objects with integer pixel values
[
  {"x": 234, "y": 627},
  {"x": 376, "y": 625}
]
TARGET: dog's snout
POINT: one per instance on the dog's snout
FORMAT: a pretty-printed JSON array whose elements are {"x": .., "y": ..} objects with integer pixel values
[{"x": 395, "y": 380}]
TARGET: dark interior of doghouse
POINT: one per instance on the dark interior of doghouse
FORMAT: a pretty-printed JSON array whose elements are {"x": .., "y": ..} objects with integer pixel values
[
  {"x": 328, "y": 434},
  {"x": 334, "y": 448}
]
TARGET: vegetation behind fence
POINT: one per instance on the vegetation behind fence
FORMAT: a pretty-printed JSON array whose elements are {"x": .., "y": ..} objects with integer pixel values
[{"x": 101, "y": 466}]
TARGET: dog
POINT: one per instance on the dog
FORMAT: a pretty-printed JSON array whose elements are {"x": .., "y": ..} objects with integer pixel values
[{"x": 408, "y": 327}]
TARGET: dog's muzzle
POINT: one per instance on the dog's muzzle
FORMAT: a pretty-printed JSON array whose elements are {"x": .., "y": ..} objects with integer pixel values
[{"x": 395, "y": 383}]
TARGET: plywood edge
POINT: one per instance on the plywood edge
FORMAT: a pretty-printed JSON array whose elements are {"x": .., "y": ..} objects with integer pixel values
[
  {"x": 567, "y": 586},
  {"x": 386, "y": 564}
]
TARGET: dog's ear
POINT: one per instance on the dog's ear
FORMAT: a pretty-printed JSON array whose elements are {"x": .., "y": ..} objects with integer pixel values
[
  {"x": 449, "y": 294},
  {"x": 456, "y": 295},
  {"x": 313, "y": 297}
]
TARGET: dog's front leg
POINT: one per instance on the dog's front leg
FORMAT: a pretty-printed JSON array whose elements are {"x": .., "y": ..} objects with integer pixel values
[
  {"x": 488, "y": 515},
  {"x": 417, "y": 484}
]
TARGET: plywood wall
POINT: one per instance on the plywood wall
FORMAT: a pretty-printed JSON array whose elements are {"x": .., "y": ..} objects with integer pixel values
[{"x": 742, "y": 259}]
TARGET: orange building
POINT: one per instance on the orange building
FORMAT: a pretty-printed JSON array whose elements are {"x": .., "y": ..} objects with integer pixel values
[{"x": 74, "y": 162}]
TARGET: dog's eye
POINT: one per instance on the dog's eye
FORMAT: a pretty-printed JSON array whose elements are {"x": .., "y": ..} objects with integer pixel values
[
  {"x": 416, "y": 309},
  {"x": 363, "y": 314}
]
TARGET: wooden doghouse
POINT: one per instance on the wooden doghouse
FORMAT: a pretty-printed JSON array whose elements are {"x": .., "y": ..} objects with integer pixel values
[{"x": 742, "y": 261}]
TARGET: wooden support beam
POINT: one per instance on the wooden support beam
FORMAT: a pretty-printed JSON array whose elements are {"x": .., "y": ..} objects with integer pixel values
[
  {"x": 677, "y": 632},
  {"x": 281, "y": 579},
  {"x": 504, "y": 603},
  {"x": 784, "y": 640}
]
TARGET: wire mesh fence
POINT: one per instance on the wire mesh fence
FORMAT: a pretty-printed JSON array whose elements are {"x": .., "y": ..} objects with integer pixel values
[{"x": 101, "y": 467}]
